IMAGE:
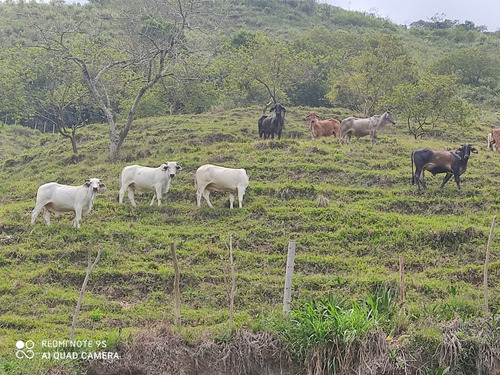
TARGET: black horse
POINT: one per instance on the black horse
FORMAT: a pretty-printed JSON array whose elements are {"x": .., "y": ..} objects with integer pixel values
[{"x": 270, "y": 124}]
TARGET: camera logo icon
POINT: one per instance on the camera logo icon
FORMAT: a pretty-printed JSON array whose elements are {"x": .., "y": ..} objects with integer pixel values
[{"x": 24, "y": 349}]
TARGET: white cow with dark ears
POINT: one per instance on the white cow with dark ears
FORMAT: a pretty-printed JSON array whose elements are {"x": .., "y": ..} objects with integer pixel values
[
  {"x": 135, "y": 178},
  {"x": 56, "y": 198}
]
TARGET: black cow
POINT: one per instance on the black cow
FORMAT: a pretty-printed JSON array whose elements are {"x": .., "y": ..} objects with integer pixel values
[
  {"x": 268, "y": 125},
  {"x": 452, "y": 162}
]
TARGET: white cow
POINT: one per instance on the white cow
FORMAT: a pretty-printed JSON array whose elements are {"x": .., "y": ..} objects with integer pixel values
[
  {"x": 359, "y": 127},
  {"x": 214, "y": 178},
  {"x": 142, "y": 179},
  {"x": 57, "y": 198}
]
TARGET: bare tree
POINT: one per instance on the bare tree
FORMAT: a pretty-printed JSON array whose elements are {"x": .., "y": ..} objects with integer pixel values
[
  {"x": 160, "y": 38},
  {"x": 56, "y": 113}
]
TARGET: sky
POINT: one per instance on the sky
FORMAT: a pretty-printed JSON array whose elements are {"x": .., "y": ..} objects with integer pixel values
[{"x": 403, "y": 12}]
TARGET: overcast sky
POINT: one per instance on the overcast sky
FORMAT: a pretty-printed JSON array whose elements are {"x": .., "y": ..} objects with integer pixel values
[{"x": 404, "y": 12}]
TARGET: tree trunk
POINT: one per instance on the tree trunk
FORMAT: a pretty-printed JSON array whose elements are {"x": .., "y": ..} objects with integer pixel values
[{"x": 73, "y": 144}]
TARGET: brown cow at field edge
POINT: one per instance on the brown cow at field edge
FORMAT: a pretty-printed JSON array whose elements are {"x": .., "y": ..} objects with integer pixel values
[
  {"x": 494, "y": 139},
  {"x": 323, "y": 128}
]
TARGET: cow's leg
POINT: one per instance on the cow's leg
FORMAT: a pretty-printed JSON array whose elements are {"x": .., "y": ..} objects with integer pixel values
[
  {"x": 419, "y": 173},
  {"x": 159, "y": 197},
  {"x": 131, "y": 196},
  {"x": 206, "y": 195},
  {"x": 46, "y": 216},
  {"x": 36, "y": 211},
  {"x": 447, "y": 178},
  {"x": 231, "y": 200},
  {"x": 122, "y": 193},
  {"x": 240, "y": 197},
  {"x": 78, "y": 217},
  {"x": 457, "y": 177},
  {"x": 199, "y": 193},
  {"x": 153, "y": 200},
  {"x": 417, "y": 178}
]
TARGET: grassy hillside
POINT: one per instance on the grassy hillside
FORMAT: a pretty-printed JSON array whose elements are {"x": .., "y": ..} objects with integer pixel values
[{"x": 349, "y": 247}]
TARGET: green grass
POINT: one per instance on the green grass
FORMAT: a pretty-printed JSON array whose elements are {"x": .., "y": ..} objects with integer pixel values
[{"x": 350, "y": 247}]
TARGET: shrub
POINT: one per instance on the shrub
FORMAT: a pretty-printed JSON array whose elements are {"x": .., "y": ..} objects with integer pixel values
[{"x": 326, "y": 334}]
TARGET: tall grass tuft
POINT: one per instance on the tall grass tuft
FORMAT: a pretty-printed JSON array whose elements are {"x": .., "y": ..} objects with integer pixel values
[{"x": 326, "y": 334}]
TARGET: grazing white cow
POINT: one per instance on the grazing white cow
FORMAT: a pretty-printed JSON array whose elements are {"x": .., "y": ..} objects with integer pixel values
[
  {"x": 142, "y": 179},
  {"x": 56, "y": 198},
  {"x": 214, "y": 178}
]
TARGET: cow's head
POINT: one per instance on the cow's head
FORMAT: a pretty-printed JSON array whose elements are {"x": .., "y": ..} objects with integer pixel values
[
  {"x": 465, "y": 150},
  {"x": 94, "y": 184},
  {"x": 311, "y": 116},
  {"x": 171, "y": 167},
  {"x": 278, "y": 109},
  {"x": 390, "y": 117}
]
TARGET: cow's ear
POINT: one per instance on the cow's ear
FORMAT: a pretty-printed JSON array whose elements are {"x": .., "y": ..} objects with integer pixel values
[
  {"x": 87, "y": 183},
  {"x": 102, "y": 186},
  {"x": 473, "y": 150},
  {"x": 179, "y": 168}
]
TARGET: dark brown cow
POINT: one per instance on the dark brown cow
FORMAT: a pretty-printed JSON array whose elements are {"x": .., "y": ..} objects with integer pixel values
[
  {"x": 268, "y": 125},
  {"x": 323, "y": 128},
  {"x": 453, "y": 163}
]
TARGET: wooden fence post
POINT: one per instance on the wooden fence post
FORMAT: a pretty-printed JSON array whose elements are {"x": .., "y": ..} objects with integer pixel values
[
  {"x": 402, "y": 282},
  {"x": 233, "y": 283},
  {"x": 230, "y": 291},
  {"x": 486, "y": 262},
  {"x": 287, "y": 295},
  {"x": 90, "y": 267},
  {"x": 177, "y": 303}
]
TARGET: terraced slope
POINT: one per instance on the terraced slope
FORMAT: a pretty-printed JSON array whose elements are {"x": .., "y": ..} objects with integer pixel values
[{"x": 350, "y": 209}]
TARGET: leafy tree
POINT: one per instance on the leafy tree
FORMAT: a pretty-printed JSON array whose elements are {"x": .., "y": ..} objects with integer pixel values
[
  {"x": 14, "y": 76},
  {"x": 327, "y": 49},
  {"x": 61, "y": 97},
  {"x": 264, "y": 67},
  {"x": 430, "y": 99},
  {"x": 361, "y": 81},
  {"x": 472, "y": 67}
]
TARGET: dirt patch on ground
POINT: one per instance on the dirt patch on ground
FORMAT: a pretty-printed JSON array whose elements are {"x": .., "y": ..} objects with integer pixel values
[{"x": 162, "y": 352}]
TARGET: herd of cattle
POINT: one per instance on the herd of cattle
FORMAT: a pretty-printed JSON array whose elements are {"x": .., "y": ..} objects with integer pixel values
[{"x": 56, "y": 198}]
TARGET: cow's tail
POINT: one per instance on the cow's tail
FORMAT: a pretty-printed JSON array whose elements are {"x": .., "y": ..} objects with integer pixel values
[
  {"x": 412, "y": 170},
  {"x": 259, "y": 123},
  {"x": 119, "y": 186},
  {"x": 342, "y": 131}
]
